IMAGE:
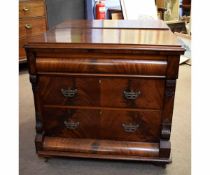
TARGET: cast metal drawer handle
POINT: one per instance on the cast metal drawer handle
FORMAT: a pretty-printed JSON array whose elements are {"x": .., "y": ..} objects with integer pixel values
[
  {"x": 28, "y": 26},
  {"x": 131, "y": 95},
  {"x": 25, "y": 9},
  {"x": 70, "y": 93},
  {"x": 130, "y": 127},
  {"x": 71, "y": 125}
]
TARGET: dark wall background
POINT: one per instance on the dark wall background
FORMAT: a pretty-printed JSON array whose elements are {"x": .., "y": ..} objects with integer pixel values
[
  {"x": 89, "y": 9},
  {"x": 60, "y": 10},
  {"x": 90, "y": 4}
]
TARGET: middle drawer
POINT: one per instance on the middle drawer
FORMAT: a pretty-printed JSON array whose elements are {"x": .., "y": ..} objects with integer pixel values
[{"x": 102, "y": 92}]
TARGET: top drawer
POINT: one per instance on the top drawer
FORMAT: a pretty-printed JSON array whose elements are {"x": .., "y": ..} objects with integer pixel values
[
  {"x": 31, "y": 9},
  {"x": 102, "y": 66}
]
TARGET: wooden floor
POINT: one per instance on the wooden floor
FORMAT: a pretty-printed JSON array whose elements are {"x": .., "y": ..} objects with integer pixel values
[{"x": 31, "y": 164}]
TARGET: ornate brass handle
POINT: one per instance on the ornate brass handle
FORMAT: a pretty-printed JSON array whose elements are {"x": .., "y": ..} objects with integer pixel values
[
  {"x": 71, "y": 125},
  {"x": 70, "y": 93},
  {"x": 28, "y": 26},
  {"x": 131, "y": 95},
  {"x": 25, "y": 9},
  {"x": 130, "y": 127}
]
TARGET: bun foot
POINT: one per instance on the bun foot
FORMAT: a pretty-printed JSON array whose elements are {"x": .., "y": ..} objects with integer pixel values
[
  {"x": 160, "y": 164},
  {"x": 46, "y": 159}
]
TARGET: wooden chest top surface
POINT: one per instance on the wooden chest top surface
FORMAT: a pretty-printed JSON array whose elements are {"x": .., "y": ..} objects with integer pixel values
[{"x": 109, "y": 33}]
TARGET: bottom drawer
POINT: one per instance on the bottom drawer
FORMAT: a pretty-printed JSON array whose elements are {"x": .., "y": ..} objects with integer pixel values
[
  {"x": 102, "y": 124},
  {"x": 99, "y": 148}
]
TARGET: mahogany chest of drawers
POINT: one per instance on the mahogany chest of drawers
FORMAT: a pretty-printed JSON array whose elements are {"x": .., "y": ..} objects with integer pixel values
[
  {"x": 105, "y": 89},
  {"x": 32, "y": 22}
]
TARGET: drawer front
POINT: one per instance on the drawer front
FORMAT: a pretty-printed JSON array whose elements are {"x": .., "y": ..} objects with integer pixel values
[
  {"x": 69, "y": 91},
  {"x": 102, "y": 124},
  {"x": 103, "y": 66},
  {"x": 22, "y": 54},
  {"x": 132, "y": 93},
  {"x": 102, "y": 92},
  {"x": 31, "y": 9},
  {"x": 33, "y": 26}
]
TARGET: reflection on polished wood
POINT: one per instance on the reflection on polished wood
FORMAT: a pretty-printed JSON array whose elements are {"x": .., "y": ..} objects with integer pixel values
[
  {"x": 151, "y": 33},
  {"x": 108, "y": 36},
  {"x": 115, "y": 24}
]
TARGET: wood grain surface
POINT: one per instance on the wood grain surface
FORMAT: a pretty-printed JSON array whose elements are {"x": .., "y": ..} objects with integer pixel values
[
  {"x": 31, "y": 8},
  {"x": 22, "y": 54},
  {"x": 103, "y": 92},
  {"x": 150, "y": 93},
  {"x": 102, "y": 124},
  {"x": 104, "y": 147},
  {"x": 103, "y": 66},
  {"x": 38, "y": 26},
  {"x": 32, "y": 22}
]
